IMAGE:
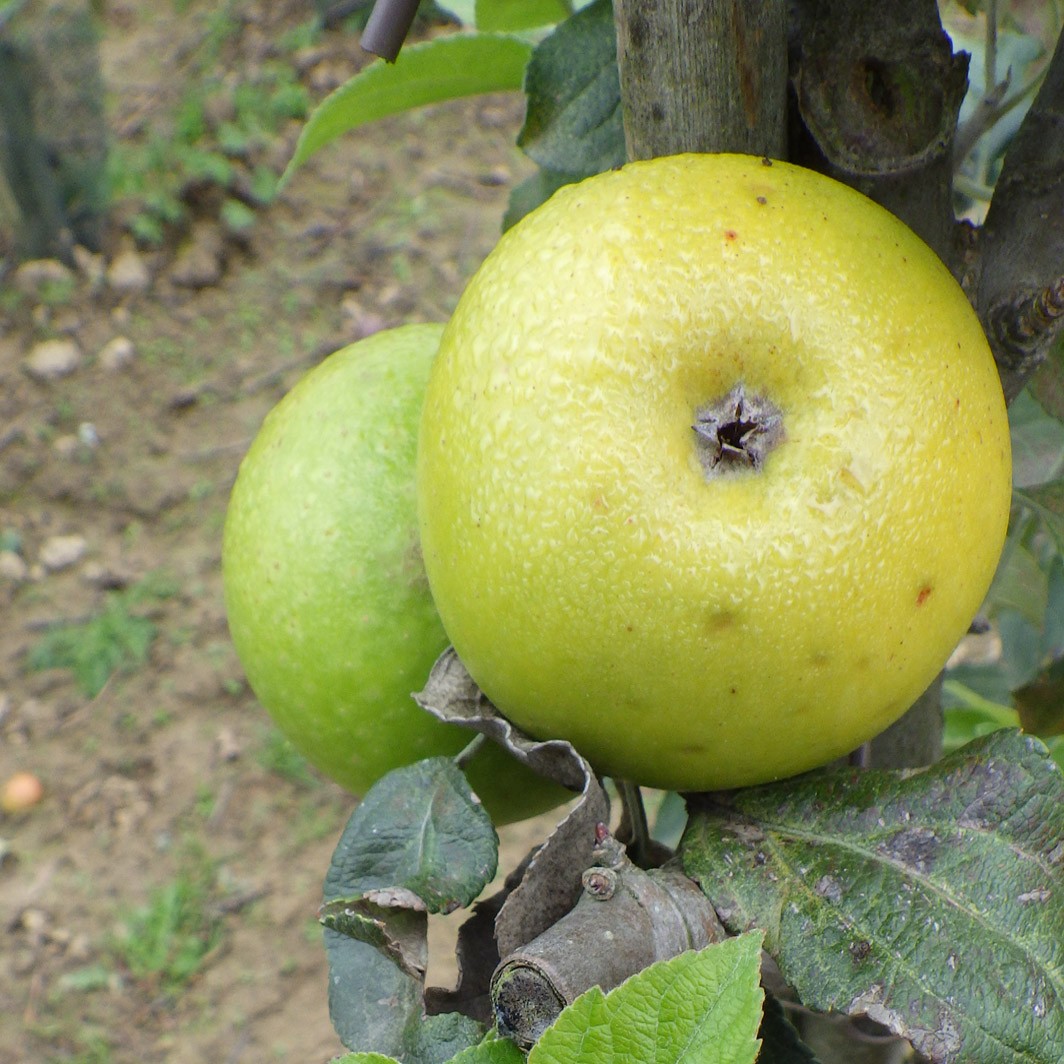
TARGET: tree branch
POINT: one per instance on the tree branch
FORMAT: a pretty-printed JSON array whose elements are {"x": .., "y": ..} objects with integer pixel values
[
  {"x": 914, "y": 740},
  {"x": 625, "y": 920},
  {"x": 1020, "y": 293},
  {"x": 702, "y": 75},
  {"x": 878, "y": 90}
]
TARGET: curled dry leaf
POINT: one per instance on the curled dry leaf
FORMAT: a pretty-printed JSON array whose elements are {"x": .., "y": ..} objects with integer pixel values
[
  {"x": 478, "y": 956},
  {"x": 452, "y": 695},
  {"x": 399, "y": 934},
  {"x": 550, "y": 884}
]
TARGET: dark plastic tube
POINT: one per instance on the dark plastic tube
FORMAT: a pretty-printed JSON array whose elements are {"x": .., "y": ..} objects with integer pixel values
[{"x": 388, "y": 25}]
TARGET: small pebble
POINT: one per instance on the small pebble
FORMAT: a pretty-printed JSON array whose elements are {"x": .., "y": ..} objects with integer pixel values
[
  {"x": 128, "y": 273},
  {"x": 65, "y": 446},
  {"x": 32, "y": 276},
  {"x": 61, "y": 552},
  {"x": 88, "y": 436},
  {"x": 13, "y": 567},
  {"x": 51, "y": 359},
  {"x": 116, "y": 354},
  {"x": 200, "y": 262}
]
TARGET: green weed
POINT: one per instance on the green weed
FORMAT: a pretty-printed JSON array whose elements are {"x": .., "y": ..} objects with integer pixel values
[
  {"x": 11, "y": 299},
  {"x": 166, "y": 941},
  {"x": 57, "y": 293},
  {"x": 114, "y": 640},
  {"x": 93, "y": 1048},
  {"x": 189, "y": 147}
]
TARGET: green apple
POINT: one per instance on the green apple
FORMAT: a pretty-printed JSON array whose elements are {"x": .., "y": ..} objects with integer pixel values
[
  {"x": 713, "y": 472},
  {"x": 325, "y": 590}
]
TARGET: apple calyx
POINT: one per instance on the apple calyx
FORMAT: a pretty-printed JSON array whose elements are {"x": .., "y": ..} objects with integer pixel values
[{"x": 736, "y": 432}]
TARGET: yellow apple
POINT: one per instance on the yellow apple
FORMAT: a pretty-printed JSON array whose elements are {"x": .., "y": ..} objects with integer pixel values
[{"x": 713, "y": 471}]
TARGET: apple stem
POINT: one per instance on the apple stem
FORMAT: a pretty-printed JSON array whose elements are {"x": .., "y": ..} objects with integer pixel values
[
  {"x": 632, "y": 800},
  {"x": 737, "y": 431},
  {"x": 463, "y": 757}
]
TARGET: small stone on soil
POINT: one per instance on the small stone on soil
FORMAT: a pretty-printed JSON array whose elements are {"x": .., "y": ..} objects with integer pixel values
[
  {"x": 61, "y": 552},
  {"x": 106, "y": 577},
  {"x": 13, "y": 568},
  {"x": 116, "y": 354},
  {"x": 51, "y": 359},
  {"x": 32, "y": 276},
  {"x": 199, "y": 263},
  {"x": 128, "y": 273},
  {"x": 227, "y": 745}
]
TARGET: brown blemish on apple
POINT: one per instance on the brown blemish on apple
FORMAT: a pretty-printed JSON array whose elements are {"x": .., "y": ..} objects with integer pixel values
[
  {"x": 923, "y": 594},
  {"x": 720, "y": 621},
  {"x": 736, "y": 432},
  {"x": 730, "y": 234}
]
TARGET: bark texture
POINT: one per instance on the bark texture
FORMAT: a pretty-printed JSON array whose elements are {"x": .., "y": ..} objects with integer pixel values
[
  {"x": 702, "y": 75},
  {"x": 625, "y": 920},
  {"x": 1020, "y": 294},
  {"x": 53, "y": 129}
]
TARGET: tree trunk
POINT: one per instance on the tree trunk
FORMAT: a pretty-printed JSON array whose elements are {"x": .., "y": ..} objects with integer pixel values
[
  {"x": 703, "y": 76},
  {"x": 53, "y": 133}
]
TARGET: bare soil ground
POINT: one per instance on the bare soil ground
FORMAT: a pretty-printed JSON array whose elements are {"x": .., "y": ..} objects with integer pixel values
[{"x": 159, "y": 903}]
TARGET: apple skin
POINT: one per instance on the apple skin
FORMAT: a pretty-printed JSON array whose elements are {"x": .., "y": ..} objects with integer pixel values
[
  {"x": 325, "y": 591},
  {"x": 698, "y": 633}
]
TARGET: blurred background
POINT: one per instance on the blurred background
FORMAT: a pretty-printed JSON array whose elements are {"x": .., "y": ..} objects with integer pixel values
[{"x": 157, "y": 297}]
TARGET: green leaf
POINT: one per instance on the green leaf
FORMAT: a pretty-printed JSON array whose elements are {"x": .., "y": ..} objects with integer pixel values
[
  {"x": 511, "y": 15},
  {"x": 530, "y": 193},
  {"x": 363, "y": 1058},
  {"x": 932, "y": 901},
  {"x": 1018, "y": 662},
  {"x": 376, "y": 1006},
  {"x": 438, "y": 1039},
  {"x": 969, "y": 715},
  {"x": 1056, "y": 750},
  {"x": 421, "y": 830},
  {"x": 464, "y": 12},
  {"x": 444, "y": 68},
  {"x": 699, "y": 1006},
  {"x": 1020, "y": 583},
  {"x": 418, "y": 842},
  {"x": 1046, "y": 501},
  {"x": 1037, "y": 442},
  {"x": 493, "y": 1050},
  {"x": 573, "y": 121},
  {"x": 372, "y": 1000}
]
